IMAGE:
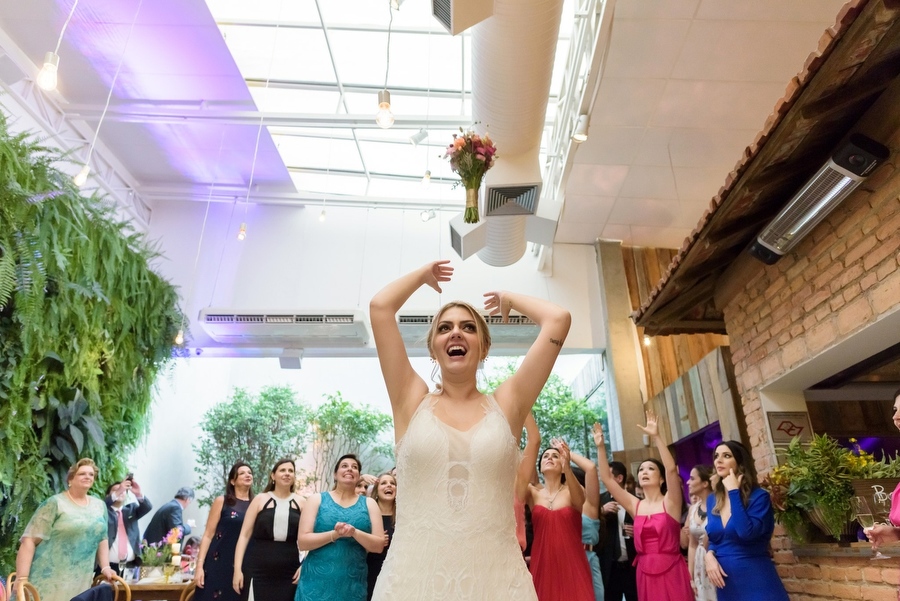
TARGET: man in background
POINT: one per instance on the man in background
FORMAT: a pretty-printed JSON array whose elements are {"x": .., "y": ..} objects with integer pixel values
[
  {"x": 170, "y": 516},
  {"x": 617, "y": 554},
  {"x": 125, "y": 505}
]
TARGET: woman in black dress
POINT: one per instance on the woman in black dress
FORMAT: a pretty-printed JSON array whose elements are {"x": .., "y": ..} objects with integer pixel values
[
  {"x": 273, "y": 561},
  {"x": 385, "y": 494},
  {"x": 215, "y": 562}
]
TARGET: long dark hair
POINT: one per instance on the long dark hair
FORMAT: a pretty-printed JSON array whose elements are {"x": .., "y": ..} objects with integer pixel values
[
  {"x": 270, "y": 485},
  {"x": 745, "y": 467},
  {"x": 230, "y": 495},
  {"x": 562, "y": 472}
]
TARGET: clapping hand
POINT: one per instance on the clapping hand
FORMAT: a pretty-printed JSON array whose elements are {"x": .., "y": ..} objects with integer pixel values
[
  {"x": 439, "y": 271},
  {"x": 496, "y": 302},
  {"x": 344, "y": 530}
]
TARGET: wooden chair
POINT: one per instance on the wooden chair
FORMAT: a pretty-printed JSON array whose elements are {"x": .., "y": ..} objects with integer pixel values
[
  {"x": 30, "y": 593},
  {"x": 118, "y": 585},
  {"x": 188, "y": 593}
]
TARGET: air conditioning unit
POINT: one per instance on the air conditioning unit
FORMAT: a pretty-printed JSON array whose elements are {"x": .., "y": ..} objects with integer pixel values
[
  {"x": 285, "y": 329},
  {"x": 513, "y": 186},
  {"x": 541, "y": 227},
  {"x": 467, "y": 238},
  {"x": 848, "y": 166},
  {"x": 458, "y": 15},
  {"x": 519, "y": 332}
]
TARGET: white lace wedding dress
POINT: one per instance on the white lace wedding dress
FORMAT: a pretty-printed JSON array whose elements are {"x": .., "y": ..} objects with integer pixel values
[{"x": 455, "y": 536}]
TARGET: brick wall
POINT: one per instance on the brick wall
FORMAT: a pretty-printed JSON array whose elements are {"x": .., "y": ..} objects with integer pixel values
[{"x": 844, "y": 275}]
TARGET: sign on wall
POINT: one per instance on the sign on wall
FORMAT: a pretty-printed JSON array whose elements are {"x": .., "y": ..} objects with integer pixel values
[{"x": 785, "y": 425}]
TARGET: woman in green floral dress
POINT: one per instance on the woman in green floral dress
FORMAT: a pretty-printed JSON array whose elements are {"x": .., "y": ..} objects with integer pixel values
[{"x": 64, "y": 539}]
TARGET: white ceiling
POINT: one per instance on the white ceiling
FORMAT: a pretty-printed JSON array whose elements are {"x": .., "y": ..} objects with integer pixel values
[{"x": 686, "y": 85}]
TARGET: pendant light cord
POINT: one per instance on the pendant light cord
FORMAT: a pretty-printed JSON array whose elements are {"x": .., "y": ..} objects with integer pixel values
[{"x": 62, "y": 31}]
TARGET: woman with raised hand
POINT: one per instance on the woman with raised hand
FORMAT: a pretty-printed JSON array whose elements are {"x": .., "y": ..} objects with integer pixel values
[
  {"x": 740, "y": 522},
  {"x": 385, "y": 494},
  {"x": 699, "y": 486},
  {"x": 556, "y": 516},
  {"x": 338, "y": 528},
  {"x": 526, "y": 474},
  {"x": 272, "y": 521},
  {"x": 64, "y": 538},
  {"x": 662, "y": 574},
  {"x": 215, "y": 561},
  {"x": 590, "y": 517},
  {"x": 457, "y": 448}
]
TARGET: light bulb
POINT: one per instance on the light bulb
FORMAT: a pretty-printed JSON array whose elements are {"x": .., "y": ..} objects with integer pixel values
[
  {"x": 322, "y": 215},
  {"x": 384, "y": 117},
  {"x": 426, "y": 179},
  {"x": 242, "y": 233},
  {"x": 646, "y": 340},
  {"x": 81, "y": 178},
  {"x": 46, "y": 77},
  {"x": 179, "y": 337}
]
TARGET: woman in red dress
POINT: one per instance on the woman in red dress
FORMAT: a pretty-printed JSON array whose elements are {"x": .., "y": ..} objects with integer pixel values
[
  {"x": 662, "y": 573},
  {"x": 558, "y": 563}
]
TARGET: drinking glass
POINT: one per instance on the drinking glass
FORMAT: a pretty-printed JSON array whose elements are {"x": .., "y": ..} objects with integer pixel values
[{"x": 863, "y": 514}]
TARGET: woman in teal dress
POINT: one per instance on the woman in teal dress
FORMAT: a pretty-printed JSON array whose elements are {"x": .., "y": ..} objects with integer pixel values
[
  {"x": 338, "y": 528},
  {"x": 64, "y": 539}
]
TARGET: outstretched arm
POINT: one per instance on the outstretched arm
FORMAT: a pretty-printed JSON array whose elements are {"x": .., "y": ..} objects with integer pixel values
[
  {"x": 529, "y": 458},
  {"x": 674, "y": 497},
  {"x": 404, "y": 386},
  {"x": 518, "y": 393},
  {"x": 622, "y": 496},
  {"x": 591, "y": 486}
]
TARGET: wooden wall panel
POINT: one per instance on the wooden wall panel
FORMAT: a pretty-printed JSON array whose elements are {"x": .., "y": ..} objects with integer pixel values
[{"x": 667, "y": 357}]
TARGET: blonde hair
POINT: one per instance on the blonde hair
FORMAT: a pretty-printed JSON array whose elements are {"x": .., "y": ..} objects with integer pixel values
[
  {"x": 481, "y": 327},
  {"x": 70, "y": 475}
]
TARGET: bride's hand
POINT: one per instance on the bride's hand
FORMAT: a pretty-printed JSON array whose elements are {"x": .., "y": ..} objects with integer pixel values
[{"x": 437, "y": 272}]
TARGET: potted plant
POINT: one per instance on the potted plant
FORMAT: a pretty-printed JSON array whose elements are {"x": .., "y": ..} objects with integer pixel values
[
  {"x": 814, "y": 483},
  {"x": 155, "y": 556}
]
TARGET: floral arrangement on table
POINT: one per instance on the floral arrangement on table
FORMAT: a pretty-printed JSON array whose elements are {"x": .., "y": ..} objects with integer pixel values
[
  {"x": 160, "y": 553},
  {"x": 818, "y": 478},
  {"x": 470, "y": 157}
]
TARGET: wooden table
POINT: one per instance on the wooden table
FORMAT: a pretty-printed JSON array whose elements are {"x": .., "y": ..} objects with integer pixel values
[{"x": 153, "y": 591}]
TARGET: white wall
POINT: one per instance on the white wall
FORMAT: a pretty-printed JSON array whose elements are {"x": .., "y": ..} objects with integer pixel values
[{"x": 290, "y": 260}]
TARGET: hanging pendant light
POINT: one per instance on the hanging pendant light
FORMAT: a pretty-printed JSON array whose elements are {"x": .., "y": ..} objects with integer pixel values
[
  {"x": 81, "y": 177},
  {"x": 46, "y": 77},
  {"x": 384, "y": 117}
]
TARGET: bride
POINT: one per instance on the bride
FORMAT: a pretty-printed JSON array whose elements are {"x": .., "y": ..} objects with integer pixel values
[{"x": 457, "y": 448}]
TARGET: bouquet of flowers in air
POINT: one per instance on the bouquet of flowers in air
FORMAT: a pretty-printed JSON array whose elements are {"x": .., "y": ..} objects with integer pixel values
[{"x": 471, "y": 156}]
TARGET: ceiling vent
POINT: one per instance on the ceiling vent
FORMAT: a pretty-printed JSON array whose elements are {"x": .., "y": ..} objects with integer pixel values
[
  {"x": 285, "y": 329},
  {"x": 847, "y": 167},
  {"x": 519, "y": 332},
  {"x": 467, "y": 238},
  {"x": 458, "y": 15},
  {"x": 513, "y": 185}
]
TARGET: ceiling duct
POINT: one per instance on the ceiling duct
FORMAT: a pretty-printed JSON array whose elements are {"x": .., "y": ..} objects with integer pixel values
[
  {"x": 510, "y": 88},
  {"x": 520, "y": 332},
  {"x": 458, "y": 15},
  {"x": 307, "y": 329}
]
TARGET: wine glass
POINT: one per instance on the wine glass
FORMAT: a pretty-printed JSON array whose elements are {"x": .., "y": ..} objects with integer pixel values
[{"x": 866, "y": 519}]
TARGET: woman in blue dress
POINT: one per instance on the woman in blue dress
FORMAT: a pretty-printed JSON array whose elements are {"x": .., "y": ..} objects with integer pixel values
[
  {"x": 338, "y": 528},
  {"x": 740, "y": 522},
  {"x": 215, "y": 562}
]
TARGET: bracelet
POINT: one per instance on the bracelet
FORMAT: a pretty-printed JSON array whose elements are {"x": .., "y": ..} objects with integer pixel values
[
  {"x": 21, "y": 578},
  {"x": 333, "y": 532},
  {"x": 105, "y": 568}
]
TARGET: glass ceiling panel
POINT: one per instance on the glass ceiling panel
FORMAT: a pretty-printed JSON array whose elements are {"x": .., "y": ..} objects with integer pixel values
[{"x": 429, "y": 79}]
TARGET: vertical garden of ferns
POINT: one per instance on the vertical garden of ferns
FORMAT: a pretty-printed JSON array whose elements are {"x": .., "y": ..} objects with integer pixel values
[{"x": 85, "y": 326}]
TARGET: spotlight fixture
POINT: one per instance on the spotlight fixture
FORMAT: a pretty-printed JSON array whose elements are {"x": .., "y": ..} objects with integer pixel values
[
  {"x": 384, "y": 117},
  {"x": 427, "y": 215},
  {"x": 322, "y": 215},
  {"x": 418, "y": 137},
  {"x": 647, "y": 340},
  {"x": 242, "y": 233},
  {"x": 847, "y": 167},
  {"x": 81, "y": 178},
  {"x": 395, "y": 4},
  {"x": 426, "y": 179},
  {"x": 581, "y": 130},
  {"x": 179, "y": 337},
  {"x": 46, "y": 77}
]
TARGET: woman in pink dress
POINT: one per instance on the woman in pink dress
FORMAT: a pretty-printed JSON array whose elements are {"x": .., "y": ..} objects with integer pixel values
[
  {"x": 662, "y": 573},
  {"x": 889, "y": 533}
]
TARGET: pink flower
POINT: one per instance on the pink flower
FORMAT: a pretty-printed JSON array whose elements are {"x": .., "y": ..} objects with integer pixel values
[
  {"x": 459, "y": 143},
  {"x": 480, "y": 157}
]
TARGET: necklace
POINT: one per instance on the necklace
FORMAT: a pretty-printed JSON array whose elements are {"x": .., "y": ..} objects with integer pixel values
[
  {"x": 71, "y": 498},
  {"x": 553, "y": 498}
]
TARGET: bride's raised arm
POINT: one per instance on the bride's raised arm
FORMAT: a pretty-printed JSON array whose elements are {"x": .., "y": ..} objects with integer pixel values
[{"x": 405, "y": 387}]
